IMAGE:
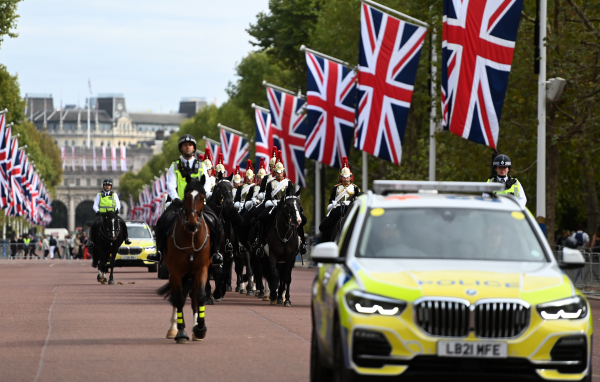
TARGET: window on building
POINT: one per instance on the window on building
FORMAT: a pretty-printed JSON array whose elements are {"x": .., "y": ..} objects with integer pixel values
[
  {"x": 108, "y": 144},
  {"x": 56, "y": 142},
  {"x": 77, "y": 181},
  {"x": 73, "y": 143},
  {"x": 98, "y": 182},
  {"x": 101, "y": 143},
  {"x": 66, "y": 143},
  {"x": 66, "y": 182},
  {"x": 83, "y": 144},
  {"x": 119, "y": 143},
  {"x": 88, "y": 182},
  {"x": 92, "y": 143}
]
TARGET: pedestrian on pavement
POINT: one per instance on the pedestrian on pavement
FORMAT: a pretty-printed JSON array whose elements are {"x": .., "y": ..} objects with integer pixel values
[
  {"x": 561, "y": 241},
  {"x": 21, "y": 247},
  {"x": 77, "y": 249},
  {"x": 13, "y": 247},
  {"x": 595, "y": 244},
  {"x": 71, "y": 241},
  {"x": 32, "y": 244},
  {"x": 45, "y": 247},
  {"x": 66, "y": 249},
  {"x": 581, "y": 237},
  {"x": 52, "y": 243}
]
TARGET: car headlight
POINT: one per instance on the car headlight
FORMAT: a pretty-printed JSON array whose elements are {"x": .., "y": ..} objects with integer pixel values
[
  {"x": 153, "y": 248},
  {"x": 366, "y": 303},
  {"x": 569, "y": 308}
]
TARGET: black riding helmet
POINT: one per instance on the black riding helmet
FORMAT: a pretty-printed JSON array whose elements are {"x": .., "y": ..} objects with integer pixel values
[
  {"x": 187, "y": 138},
  {"x": 502, "y": 160},
  {"x": 107, "y": 181}
]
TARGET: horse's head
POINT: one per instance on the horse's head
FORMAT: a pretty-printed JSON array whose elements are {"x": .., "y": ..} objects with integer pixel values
[
  {"x": 222, "y": 196},
  {"x": 292, "y": 208},
  {"x": 194, "y": 202}
]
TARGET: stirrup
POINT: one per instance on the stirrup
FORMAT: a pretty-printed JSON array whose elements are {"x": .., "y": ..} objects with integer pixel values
[
  {"x": 216, "y": 259},
  {"x": 241, "y": 248},
  {"x": 127, "y": 241},
  {"x": 260, "y": 252},
  {"x": 255, "y": 245}
]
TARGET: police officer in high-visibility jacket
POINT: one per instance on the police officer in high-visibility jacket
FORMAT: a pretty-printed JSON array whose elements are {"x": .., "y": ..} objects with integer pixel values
[
  {"x": 502, "y": 165},
  {"x": 186, "y": 165},
  {"x": 106, "y": 202}
]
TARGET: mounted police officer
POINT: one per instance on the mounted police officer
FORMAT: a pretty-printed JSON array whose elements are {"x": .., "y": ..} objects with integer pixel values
[
  {"x": 275, "y": 190},
  {"x": 502, "y": 165},
  {"x": 187, "y": 165},
  {"x": 107, "y": 202}
]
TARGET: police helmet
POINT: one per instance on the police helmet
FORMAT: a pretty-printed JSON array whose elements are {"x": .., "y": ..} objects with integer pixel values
[
  {"x": 502, "y": 160},
  {"x": 107, "y": 182},
  {"x": 187, "y": 138}
]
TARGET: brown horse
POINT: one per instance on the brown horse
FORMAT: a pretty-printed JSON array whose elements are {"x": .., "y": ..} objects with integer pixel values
[{"x": 188, "y": 259}]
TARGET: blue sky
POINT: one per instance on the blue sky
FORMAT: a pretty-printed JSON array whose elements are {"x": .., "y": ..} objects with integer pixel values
[{"x": 154, "y": 51}]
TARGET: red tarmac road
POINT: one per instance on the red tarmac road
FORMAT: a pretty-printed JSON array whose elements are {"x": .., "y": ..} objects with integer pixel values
[{"x": 59, "y": 324}]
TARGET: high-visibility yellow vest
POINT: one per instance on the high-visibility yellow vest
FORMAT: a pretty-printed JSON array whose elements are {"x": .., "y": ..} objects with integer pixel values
[
  {"x": 107, "y": 203},
  {"x": 26, "y": 240},
  {"x": 514, "y": 189},
  {"x": 179, "y": 167}
]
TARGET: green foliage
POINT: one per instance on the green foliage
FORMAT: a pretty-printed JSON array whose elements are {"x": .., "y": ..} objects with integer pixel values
[
  {"x": 8, "y": 18},
  {"x": 40, "y": 146}
]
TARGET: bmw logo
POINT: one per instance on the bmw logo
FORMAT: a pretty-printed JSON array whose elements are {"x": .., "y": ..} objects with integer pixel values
[{"x": 471, "y": 292}]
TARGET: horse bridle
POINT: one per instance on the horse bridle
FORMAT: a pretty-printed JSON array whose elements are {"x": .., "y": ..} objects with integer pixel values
[
  {"x": 291, "y": 227},
  {"x": 183, "y": 218},
  {"x": 116, "y": 230},
  {"x": 220, "y": 205}
]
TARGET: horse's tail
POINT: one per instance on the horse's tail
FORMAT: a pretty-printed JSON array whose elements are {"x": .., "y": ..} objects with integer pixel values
[{"x": 164, "y": 291}]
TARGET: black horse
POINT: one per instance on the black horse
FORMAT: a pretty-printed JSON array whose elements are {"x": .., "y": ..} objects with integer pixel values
[
  {"x": 332, "y": 225},
  {"x": 109, "y": 238},
  {"x": 283, "y": 244}
]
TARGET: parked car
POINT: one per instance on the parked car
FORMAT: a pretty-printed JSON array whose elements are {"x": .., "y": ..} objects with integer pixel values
[{"x": 142, "y": 245}]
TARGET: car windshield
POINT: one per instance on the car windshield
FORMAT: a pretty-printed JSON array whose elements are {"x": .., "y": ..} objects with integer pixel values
[
  {"x": 449, "y": 233},
  {"x": 139, "y": 232}
]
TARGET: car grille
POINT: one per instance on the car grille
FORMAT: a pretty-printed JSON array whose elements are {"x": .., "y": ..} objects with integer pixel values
[
  {"x": 455, "y": 318},
  {"x": 123, "y": 250},
  {"x": 501, "y": 319},
  {"x": 135, "y": 250},
  {"x": 443, "y": 318}
]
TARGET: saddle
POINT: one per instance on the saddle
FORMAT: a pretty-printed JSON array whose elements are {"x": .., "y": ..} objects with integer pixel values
[{"x": 167, "y": 223}]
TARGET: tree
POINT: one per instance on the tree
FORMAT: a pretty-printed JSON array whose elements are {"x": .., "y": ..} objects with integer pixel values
[{"x": 8, "y": 18}]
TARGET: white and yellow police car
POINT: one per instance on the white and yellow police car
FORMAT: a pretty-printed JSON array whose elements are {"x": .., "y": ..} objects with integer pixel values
[
  {"x": 440, "y": 285},
  {"x": 142, "y": 245}
]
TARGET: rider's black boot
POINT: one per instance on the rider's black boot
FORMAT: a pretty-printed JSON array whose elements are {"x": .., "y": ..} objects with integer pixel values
[
  {"x": 127, "y": 241},
  {"x": 302, "y": 248},
  {"x": 90, "y": 244}
]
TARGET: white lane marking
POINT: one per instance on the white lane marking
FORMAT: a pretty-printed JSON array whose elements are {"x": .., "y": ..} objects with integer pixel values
[
  {"x": 41, "y": 365},
  {"x": 279, "y": 326}
]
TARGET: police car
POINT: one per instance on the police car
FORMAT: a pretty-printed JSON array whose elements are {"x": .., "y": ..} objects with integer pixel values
[
  {"x": 142, "y": 245},
  {"x": 432, "y": 280}
]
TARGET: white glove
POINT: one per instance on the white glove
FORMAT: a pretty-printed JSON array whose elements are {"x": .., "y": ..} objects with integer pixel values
[
  {"x": 208, "y": 194},
  {"x": 269, "y": 204},
  {"x": 248, "y": 205},
  {"x": 347, "y": 202},
  {"x": 329, "y": 207},
  {"x": 261, "y": 196},
  {"x": 237, "y": 205}
]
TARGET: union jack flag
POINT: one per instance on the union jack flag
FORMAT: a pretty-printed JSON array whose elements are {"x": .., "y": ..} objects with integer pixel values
[
  {"x": 331, "y": 99},
  {"x": 235, "y": 149},
  {"x": 477, "y": 51},
  {"x": 264, "y": 136},
  {"x": 15, "y": 196},
  {"x": 5, "y": 135},
  {"x": 215, "y": 149},
  {"x": 289, "y": 132},
  {"x": 389, "y": 55}
]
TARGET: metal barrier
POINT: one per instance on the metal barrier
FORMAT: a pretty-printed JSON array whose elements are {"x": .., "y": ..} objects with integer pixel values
[
  {"x": 21, "y": 251},
  {"x": 586, "y": 279}
]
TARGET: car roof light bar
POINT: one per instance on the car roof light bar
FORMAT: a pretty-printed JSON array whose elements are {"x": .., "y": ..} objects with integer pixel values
[{"x": 388, "y": 186}]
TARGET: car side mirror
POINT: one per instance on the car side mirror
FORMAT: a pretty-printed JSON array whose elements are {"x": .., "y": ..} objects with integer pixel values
[
  {"x": 572, "y": 259},
  {"x": 327, "y": 253}
]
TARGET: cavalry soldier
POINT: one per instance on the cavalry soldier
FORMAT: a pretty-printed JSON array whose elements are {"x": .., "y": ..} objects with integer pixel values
[
  {"x": 237, "y": 177},
  {"x": 106, "y": 202},
  {"x": 275, "y": 190},
  {"x": 209, "y": 172},
  {"x": 502, "y": 165},
  {"x": 242, "y": 191},
  {"x": 187, "y": 165},
  {"x": 345, "y": 189}
]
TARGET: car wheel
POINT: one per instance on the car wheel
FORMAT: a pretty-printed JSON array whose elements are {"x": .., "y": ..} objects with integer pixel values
[
  {"x": 163, "y": 272},
  {"x": 153, "y": 267},
  {"x": 318, "y": 373},
  {"x": 340, "y": 372}
]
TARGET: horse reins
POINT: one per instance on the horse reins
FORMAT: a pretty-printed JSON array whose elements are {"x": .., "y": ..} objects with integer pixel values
[{"x": 291, "y": 227}]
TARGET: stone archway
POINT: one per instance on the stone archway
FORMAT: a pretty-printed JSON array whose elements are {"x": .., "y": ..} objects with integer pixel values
[
  {"x": 84, "y": 213},
  {"x": 60, "y": 218}
]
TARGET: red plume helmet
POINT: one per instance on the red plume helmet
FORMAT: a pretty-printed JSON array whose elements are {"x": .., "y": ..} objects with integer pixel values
[
  {"x": 249, "y": 170},
  {"x": 279, "y": 166},
  {"x": 237, "y": 175},
  {"x": 208, "y": 158},
  {"x": 220, "y": 167},
  {"x": 273, "y": 160},
  {"x": 345, "y": 171}
]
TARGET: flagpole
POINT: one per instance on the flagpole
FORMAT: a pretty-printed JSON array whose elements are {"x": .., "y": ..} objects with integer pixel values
[
  {"x": 88, "y": 115},
  {"x": 432, "y": 123},
  {"x": 365, "y": 171},
  {"x": 232, "y": 130},
  {"x": 255, "y": 106},
  {"x": 303, "y": 48},
  {"x": 540, "y": 207},
  {"x": 211, "y": 140},
  {"x": 3, "y": 111},
  {"x": 283, "y": 90},
  {"x": 400, "y": 14}
]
